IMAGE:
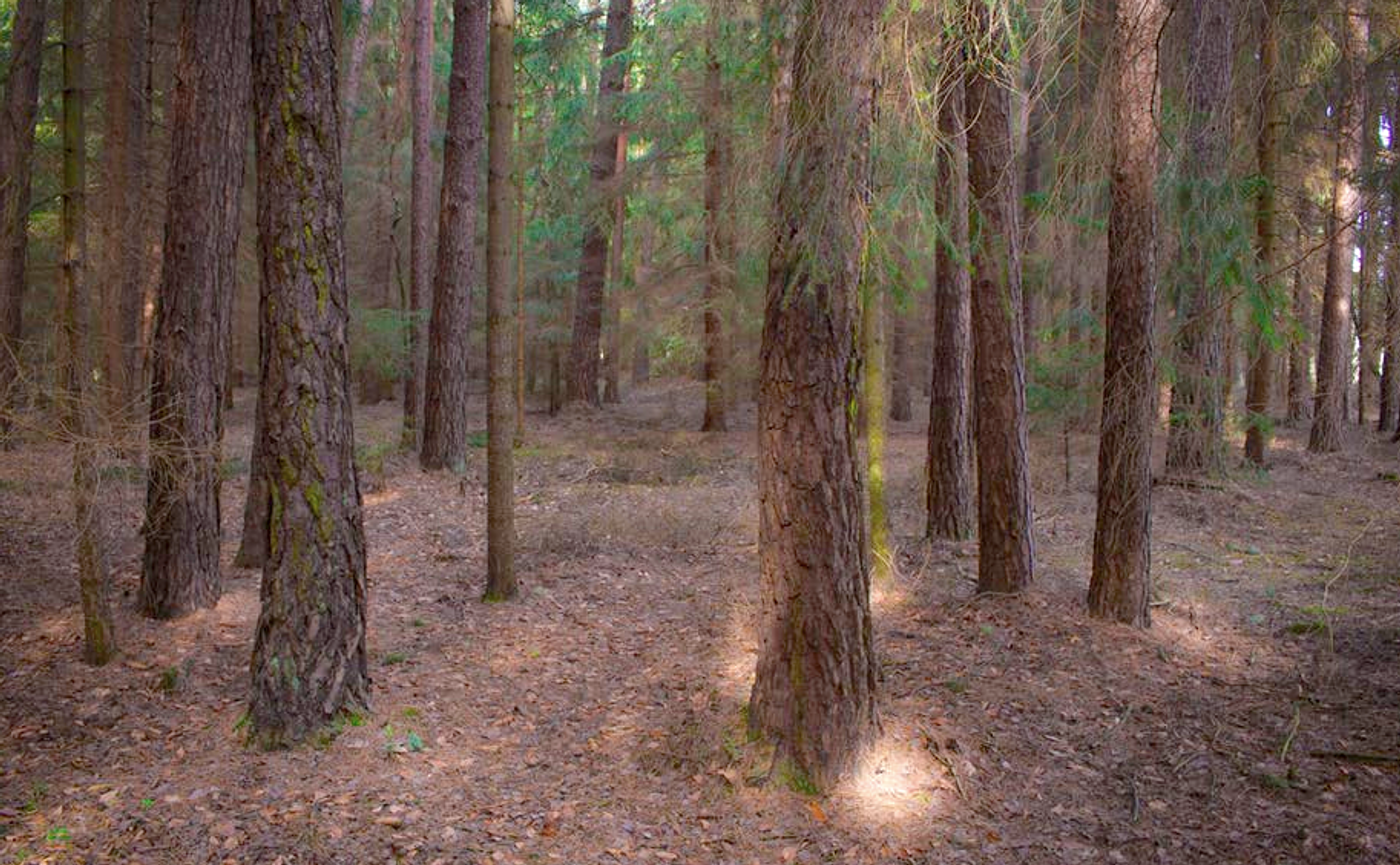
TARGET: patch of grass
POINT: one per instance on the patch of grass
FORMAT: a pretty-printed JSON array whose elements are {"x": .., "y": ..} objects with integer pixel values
[
  {"x": 169, "y": 681},
  {"x": 1316, "y": 618},
  {"x": 957, "y": 686},
  {"x": 147, "y": 804},
  {"x": 419, "y": 623},
  {"x": 394, "y": 658},
  {"x": 411, "y": 712},
  {"x": 58, "y": 835},
  {"x": 796, "y": 780},
  {"x": 37, "y": 791}
]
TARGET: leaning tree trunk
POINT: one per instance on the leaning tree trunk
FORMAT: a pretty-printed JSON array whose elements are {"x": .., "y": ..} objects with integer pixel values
[
  {"x": 1196, "y": 438},
  {"x": 1334, "y": 347},
  {"x": 16, "y": 151},
  {"x": 949, "y": 484},
  {"x": 1006, "y": 558},
  {"x": 190, "y": 344},
  {"x": 814, "y": 689},
  {"x": 582, "y": 382},
  {"x": 75, "y": 347},
  {"x": 445, "y": 402},
  {"x": 1261, "y": 357},
  {"x": 1121, "y": 584},
  {"x": 718, "y": 156},
  {"x": 309, "y": 660}
]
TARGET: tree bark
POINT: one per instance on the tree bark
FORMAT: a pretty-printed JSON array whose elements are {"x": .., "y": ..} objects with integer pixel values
[
  {"x": 718, "y": 230},
  {"x": 309, "y": 660},
  {"x": 358, "y": 47},
  {"x": 949, "y": 487},
  {"x": 1256, "y": 439},
  {"x": 612, "y": 297},
  {"x": 1300, "y": 344},
  {"x": 873, "y": 387},
  {"x": 420, "y": 274},
  {"x": 901, "y": 403},
  {"x": 582, "y": 382},
  {"x": 500, "y": 323},
  {"x": 445, "y": 405},
  {"x": 16, "y": 155},
  {"x": 1006, "y": 559},
  {"x": 1334, "y": 349},
  {"x": 1388, "y": 408},
  {"x": 1121, "y": 584},
  {"x": 190, "y": 344},
  {"x": 1196, "y": 436},
  {"x": 814, "y": 689}
]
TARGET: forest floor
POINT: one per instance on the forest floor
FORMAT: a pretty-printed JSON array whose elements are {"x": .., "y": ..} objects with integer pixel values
[{"x": 599, "y": 718}]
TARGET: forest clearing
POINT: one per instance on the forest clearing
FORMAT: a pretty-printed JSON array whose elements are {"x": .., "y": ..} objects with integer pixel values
[{"x": 599, "y": 718}]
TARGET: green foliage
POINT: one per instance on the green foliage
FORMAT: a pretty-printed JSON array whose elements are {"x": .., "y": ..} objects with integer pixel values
[{"x": 379, "y": 341}]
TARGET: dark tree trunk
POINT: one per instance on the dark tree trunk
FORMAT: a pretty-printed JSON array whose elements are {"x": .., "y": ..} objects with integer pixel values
[
  {"x": 1006, "y": 559},
  {"x": 1261, "y": 356},
  {"x": 612, "y": 354},
  {"x": 949, "y": 488},
  {"x": 445, "y": 404},
  {"x": 1300, "y": 346},
  {"x": 420, "y": 275},
  {"x": 190, "y": 344},
  {"x": 1389, "y": 398},
  {"x": 718, "y": 242},
  {"x": 582, "y": 384},
  {"x": 500, "y": 322},
  {"x": 901, "y": 405},
  {"x": 814, "y": 689},
  {"x": 1196, "y": 438},
  {"x": 1121, "y": 585},
  {"x": 309, "y": 660},
  {"x": 1334, "y": 347},
  {"x": 16, "y": 153}
]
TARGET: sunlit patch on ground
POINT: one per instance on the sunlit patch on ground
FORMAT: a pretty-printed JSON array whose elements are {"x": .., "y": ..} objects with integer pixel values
[{"x": 897, "y": 785}]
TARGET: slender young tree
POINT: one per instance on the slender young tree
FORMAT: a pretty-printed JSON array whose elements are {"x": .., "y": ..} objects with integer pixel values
[
  {"x": 309, "y": 660},
  {"x": 445, "y": 404},
  {"x": 1120, "y": 587},
  {"x": 814, "y": 688},
  {"x": 1261, "y": 367},
  {"x": 1006, "y": 557},
  {"x": 500, "y": 298},
  {"x": 582, "y": 382},
  {"x": 16, "y": 152},
  {"x": 1334, "y": 347},
  {"x": 420, "y": 275},
  {"x": 189, "y": 349},
  {"x": 1300, "y": 345},
  {"x": 949, "y": 485},
  {"x": 719, "y": 230},
  {"x": 99, "y": 635}
]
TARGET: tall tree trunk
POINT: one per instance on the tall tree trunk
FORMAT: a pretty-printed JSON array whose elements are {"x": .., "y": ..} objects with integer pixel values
[
  {"x": 901, "y": 404},
  {"x": 252, "y": 544},
  {"x": 873, "y": 386},
  {"x": 949, "y": 487},
  {"x": 593, "y": 259},
  {"x": 1300, "y": 344},
  {"x": 309, "y": 660},
  {"x": 1121, "y": 584},
  {"x": 75, "y": 347},
  {"x": 612, "y": 297},
  {"x": 419, "y": 217},
  {"x": 1334, "y": 349},
  {"x": 1261, "y": 371},
  {"x": 190, "y": 345},
  {"x": 1368, "y": 247},
  {"x": 16, "y": 153},
  {"x": 1006, "y": 559},
  {"x": 500, "y": 324},
  {"x": 814, "y": 688},
  {"x": 1196, "y": 439},
  {"x": 358, "y": 46},
  {"x": 445, "y": 404},
  {"x": 718, "y": 156},
  {"x": 1389, "y": 399},
  {"x": 645, "y": 277}
]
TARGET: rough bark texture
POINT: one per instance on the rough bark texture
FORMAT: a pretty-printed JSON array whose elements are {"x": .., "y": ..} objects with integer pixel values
[
  {"x": 593, "y": 259},
  {"x": 445, "y": 401},
  {"x": 75, "y": 350},
  {"x": 612, "y": 297},
  {"x": 420, "y": 275},
  {"x": 16, "y": 152},
  {"x": 949, "y": 488},
  {"x": 309, "y": 660},
  {"x": 1196, "y": 437},
  {"x": 873, "y": 387},
  {"x": 719, "y": 240},
  {"x": 500, "y": 321},
  {"x": 1300, "y": 346},
  {"x": 1334, "y": 347},
  {"x": 1006, "y": 557},
  {"x": 190, "y": 343},
  {"x": 1261, "y": 371},
  {"x": 1388, "y": 414},
  {"x": 1121, "y": 584},
  {"x": 814, "y": 689}
]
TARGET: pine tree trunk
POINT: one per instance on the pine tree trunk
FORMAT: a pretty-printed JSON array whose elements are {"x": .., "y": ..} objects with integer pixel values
[
  {"x": 445, "y": 401},
  {"x": 582, "y": 383},
  {"x": 715, "y": 118},
  {"x": 420, "y": 274},
  {"x": 1006, "y": 560},
  {"x": 646, "y": 273},
  {"x": 1120, "y": 587},
  {"x": 901, "y": 406},
  {"x": 1196, "y": 438},
  {"x": 1261, "y": 357},
  {"x": 500, "y": 324},
  {"x": 873, "y": 387},
  {"x": 252, "y": 545},
  {"x": 1300, "y": 346},
  {"x": 190, "y": 344},
  {"x": 814, "y": 689},
  {"x": 949, "y": 487},
  {"x": 1389, "y": 398},
  {"x": 99, "y": 638},
  {"x": 354, "y": 70},
  {"x": 1334, "y": 347},
  {"x": 612, "y": 354},
  {"x": 16, "y": 152},
  {"x": 309, "y": 660}
]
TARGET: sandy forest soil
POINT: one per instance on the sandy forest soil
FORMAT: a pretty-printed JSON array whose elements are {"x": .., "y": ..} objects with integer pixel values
[{"x": 600, "y": 718}]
